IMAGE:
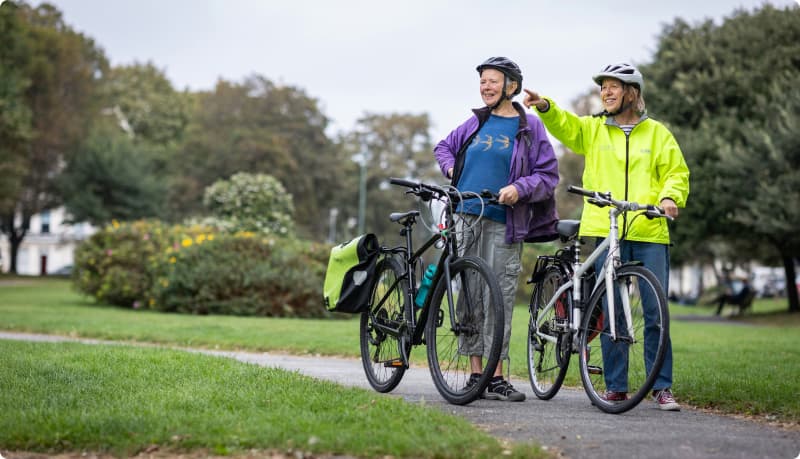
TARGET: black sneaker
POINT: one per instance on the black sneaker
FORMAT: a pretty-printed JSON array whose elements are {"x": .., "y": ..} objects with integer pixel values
[
  {"x": 500, "y": 389},
  {"x": 472, "y": 381}
]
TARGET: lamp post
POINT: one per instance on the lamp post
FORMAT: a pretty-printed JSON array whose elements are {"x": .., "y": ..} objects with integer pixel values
[
  {"x": 361, "y": 159},
  {"x": 334, "y": 212}
]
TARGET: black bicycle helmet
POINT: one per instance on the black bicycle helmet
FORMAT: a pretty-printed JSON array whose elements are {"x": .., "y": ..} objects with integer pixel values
[
  {"x": 624, "y": 72},
  {"x": 505, "y": 65}
]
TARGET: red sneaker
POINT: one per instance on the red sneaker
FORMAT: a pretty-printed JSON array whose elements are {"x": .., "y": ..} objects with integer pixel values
[
  {"x": 665, "y": 400},
  {"x": 612, "y": 396}
]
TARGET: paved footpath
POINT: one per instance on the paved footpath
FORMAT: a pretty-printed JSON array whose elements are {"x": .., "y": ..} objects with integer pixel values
[{"x": 567, "y": 423}]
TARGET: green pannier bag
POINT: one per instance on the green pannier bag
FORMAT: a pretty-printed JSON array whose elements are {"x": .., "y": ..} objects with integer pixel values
[{"x": 351, "y": 268}]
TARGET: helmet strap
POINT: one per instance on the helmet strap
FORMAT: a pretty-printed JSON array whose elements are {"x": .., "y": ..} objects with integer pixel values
[
  {"x": 622, "y": 107},
  {"x": 503, "y": 96}
]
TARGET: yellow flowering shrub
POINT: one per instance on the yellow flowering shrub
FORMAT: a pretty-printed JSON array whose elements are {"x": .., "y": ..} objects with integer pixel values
[{"x": 194, "y": 269}]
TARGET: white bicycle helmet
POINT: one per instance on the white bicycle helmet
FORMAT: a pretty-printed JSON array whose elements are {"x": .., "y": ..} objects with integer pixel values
[{"x": 624, "y": 72}]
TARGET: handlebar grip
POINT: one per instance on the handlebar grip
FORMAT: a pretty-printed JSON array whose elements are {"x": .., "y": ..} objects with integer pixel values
[
  {"x": 578, "y": 190},
  {"x": 403, "y": 182},
  {"x": 656, "y": 212}
]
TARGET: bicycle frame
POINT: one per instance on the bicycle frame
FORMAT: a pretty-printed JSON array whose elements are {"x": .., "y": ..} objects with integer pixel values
[
  {"x": 409, "y": 261},
  {"x": 612, "y": 262}
]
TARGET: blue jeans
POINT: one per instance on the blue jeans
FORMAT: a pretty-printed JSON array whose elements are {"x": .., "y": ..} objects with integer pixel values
[{"x": 654, "y": 257}]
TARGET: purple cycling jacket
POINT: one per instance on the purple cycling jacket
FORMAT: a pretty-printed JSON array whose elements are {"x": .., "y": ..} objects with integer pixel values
[{"x": 534, "y": 172}]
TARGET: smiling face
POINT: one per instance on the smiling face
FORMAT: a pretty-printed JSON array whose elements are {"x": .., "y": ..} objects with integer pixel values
[
  {"x": 612, "y": 92},
  {"x": 492, "y": 86}
]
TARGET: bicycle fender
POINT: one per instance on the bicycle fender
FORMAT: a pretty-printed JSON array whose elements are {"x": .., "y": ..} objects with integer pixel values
[{"x": 632, "y": 263}]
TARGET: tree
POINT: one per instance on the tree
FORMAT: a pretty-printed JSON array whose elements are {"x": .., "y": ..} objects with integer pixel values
[
  {"x": 111, "y": 179},
  {"x": 251, "y": 202},
  {"x": 145, "y": 104},
  {"x": 120, "y": 170},
  {"x": 730, "y": 93},
  {"x": 395, "y": 145},
  {"x": 770, "y": 162},
  {"x": 61, "y": 68},
  {"x": 15, "y": 115},
  {"x": 259, "y": 127}
]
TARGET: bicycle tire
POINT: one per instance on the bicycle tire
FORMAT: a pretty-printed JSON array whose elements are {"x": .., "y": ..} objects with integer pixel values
[
  {"x": 642, "y": 287},
  {"x": 477, "y": 295},
  {"x": 548, "y": 359},
  {"x": 381, "y": 352}
]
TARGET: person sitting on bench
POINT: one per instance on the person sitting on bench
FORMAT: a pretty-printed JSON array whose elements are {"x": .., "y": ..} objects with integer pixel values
[{"x": 740, "y": 298}]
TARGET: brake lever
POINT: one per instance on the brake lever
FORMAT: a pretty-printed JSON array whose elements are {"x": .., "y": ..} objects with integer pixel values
[
  {"x": 597, "y": 202},
  {"x": 492, "y": 198},
  {"x": 656, "y": 212}
]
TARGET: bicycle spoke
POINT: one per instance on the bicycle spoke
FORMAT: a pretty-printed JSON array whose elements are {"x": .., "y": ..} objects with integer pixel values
[
  {"x": 630, "y": 363},
  {"x": 452, "y": 341},
  {"x": 382, "y": 351},
  {"x": 547, "y": 357}
]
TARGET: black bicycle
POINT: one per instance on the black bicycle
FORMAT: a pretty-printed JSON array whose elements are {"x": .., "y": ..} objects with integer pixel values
[{"x": 462, "y": 310}]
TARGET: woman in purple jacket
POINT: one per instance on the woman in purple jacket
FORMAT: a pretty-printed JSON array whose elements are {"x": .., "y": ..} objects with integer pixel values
[{"x": 505, "y": 150}]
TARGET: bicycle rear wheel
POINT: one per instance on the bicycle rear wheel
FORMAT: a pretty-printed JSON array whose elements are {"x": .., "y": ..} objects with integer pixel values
[
  {"x": 380, "y": 350},
  {"x": 478, "y": 324},
  {"x": 549, "y": 336},
  {"x": 632, "y": 363}
]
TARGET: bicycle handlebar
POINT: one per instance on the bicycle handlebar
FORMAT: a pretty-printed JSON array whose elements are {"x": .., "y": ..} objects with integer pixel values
[
  {"x": 604, "y": 199},
  {"x": 403, "y": 182},
  {"x": 424, "y": 190}
]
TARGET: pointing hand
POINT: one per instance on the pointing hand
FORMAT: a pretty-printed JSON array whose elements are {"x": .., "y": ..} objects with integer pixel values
[{"x": 533, "y": 98}]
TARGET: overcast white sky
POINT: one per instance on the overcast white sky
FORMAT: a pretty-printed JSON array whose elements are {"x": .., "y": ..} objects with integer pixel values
[{"x": 407, "y": 56}]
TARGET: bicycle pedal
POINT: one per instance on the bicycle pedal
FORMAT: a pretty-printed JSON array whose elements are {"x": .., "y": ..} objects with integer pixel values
[
  {"x": 594, "y": 370},
  {"x": 393, "y": 363}
]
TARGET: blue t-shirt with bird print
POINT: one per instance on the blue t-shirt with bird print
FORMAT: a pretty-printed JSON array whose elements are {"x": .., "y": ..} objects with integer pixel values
[{"x": 488, "y": 163}]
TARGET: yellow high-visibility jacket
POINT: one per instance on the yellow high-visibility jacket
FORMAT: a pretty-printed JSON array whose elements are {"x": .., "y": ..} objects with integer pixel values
[{"x": 646, "y": 167}]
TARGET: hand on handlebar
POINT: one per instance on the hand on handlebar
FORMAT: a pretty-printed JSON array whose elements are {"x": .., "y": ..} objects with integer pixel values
[
  {"x": 669, "y": 207},
  {"x": 508, "y": 195}
]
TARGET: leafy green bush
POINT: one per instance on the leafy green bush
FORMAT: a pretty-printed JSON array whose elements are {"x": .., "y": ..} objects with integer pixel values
[
  {"x": 117, "y": 264},
  {"x": 244, "y": 274},
  {"x": 251, "y": 202},
  {"x": 197, "y": 270}
]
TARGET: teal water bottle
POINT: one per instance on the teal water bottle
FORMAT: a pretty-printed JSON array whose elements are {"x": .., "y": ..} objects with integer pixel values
[{"x": 425, "y": 285}]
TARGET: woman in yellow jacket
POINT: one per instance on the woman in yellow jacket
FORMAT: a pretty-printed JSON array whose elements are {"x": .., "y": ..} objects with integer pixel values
[{"x": 637, "y": 159}]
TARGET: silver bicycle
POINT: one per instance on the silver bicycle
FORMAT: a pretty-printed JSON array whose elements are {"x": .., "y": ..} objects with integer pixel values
[{"x": 625, "y": 310}]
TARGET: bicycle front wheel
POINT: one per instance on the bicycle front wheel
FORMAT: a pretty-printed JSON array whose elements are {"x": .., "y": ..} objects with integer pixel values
[
  {"x": 549, "y": 343},
  {"x": 380, "y": 348},
  {"x": 630, "y": 363},
  {"x": 476, "y": 329}
]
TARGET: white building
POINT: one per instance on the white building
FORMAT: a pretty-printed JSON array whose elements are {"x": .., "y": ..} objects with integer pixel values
[{"x": 48, "y": 245}]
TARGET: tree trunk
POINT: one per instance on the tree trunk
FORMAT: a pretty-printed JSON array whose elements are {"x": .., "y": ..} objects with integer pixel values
[
  {"x": 15, "y": 238},
  {"x": 791, "y": 284}
]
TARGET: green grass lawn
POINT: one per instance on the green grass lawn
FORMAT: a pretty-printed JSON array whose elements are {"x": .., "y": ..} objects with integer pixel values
[
  {"x": 125, "y": 400},
  {"x": 121, "y": 399}
]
